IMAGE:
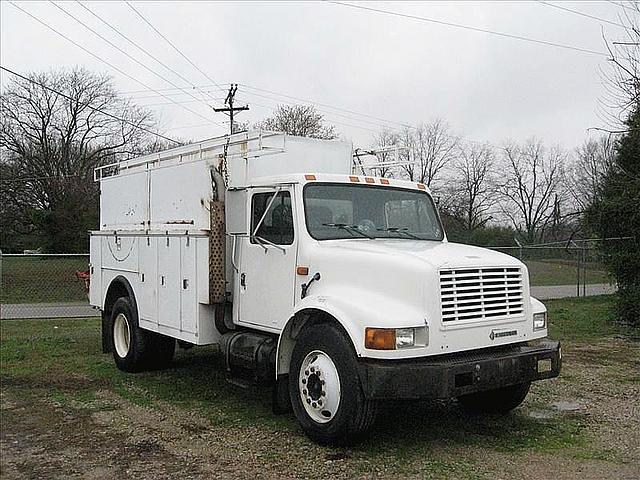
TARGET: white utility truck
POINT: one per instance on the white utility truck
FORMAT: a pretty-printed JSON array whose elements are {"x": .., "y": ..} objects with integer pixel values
[{"x": 340, "y": 290}]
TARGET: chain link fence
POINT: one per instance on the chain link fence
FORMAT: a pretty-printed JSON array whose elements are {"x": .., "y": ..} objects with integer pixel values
[
  {"x": 43, "y": 286},
  {"x": 557, "y": 271},
  {"x": 48, "y": 286}
]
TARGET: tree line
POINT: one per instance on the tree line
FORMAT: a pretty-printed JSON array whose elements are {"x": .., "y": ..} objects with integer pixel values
[{"x": 57, "y": 126}]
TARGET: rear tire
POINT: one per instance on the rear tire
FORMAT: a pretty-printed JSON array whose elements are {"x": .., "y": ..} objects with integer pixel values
[
  {"x": 136, "y": 349},
  {"x": 325, "y": 390},
  {"x": 500, "y": 400}
]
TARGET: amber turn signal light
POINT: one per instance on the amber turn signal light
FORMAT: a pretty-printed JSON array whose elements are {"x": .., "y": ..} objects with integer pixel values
[
  {"x": 302, "y": 270},
  {"x": 380, "y": 338}
]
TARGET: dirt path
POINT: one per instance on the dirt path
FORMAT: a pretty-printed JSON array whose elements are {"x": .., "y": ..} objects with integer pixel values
[{"x": 107, "y": 436}]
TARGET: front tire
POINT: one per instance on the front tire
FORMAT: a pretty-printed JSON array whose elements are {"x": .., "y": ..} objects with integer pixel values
[
  {"x": 500, "y": 400},
  {"x": 325, "y": 389}
]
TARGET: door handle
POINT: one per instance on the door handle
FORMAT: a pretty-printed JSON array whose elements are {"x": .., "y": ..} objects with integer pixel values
[{"x": 243, "y": 282}]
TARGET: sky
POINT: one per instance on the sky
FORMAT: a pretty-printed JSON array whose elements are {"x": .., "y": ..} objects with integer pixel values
[{"x": 362, "y": 69}]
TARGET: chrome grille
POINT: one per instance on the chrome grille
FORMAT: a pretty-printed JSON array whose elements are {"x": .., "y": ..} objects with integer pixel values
[{"x": 477, "y": 293}]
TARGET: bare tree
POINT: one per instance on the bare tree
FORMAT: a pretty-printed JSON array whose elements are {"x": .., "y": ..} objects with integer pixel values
[
  {"x": 429, "y": 148},
  {"x": 530, "y": 189},
  {"x": 621, "y": 77},
  {"x": 473, "y": 192},
  {"x": 50, "y": 145},
  {"x": 301, "y": 120},
  {"x": 587, "y": 170}
]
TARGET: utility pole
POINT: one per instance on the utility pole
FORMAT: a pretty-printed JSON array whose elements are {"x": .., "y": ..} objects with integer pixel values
[{"x": 229, "y": 105}]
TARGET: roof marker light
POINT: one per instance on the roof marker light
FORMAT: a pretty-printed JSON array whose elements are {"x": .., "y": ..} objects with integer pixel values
[
  {"x": 421, "y": 186},
  {"x": 353, "y": 179},
  {"x": 369, "y": 180},
  {"x": 309, "y": 177},
  {"x": 384, "y": 181}
]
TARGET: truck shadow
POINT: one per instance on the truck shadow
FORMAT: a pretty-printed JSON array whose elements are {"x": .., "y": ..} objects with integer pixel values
[{"x": 199, "y": 374}]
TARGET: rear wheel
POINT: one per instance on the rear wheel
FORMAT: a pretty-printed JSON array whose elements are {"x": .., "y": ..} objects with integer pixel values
[
  {"x": 325, "y": 389},
  {"x": 500, "y": 400},
  {"x": 136, "y": 349}
]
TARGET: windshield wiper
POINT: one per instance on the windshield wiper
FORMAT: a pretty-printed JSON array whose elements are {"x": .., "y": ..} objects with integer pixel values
[
  {"x": 400, "y": 230},
  {"x": 348, "y": 228}
]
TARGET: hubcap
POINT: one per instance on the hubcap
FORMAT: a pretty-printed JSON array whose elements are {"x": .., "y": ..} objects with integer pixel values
[
  {"x": 319, "y": 386},
  {"x": 121, "y": 335}
]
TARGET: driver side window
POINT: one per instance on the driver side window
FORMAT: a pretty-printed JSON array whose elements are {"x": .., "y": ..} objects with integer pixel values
[{"x": 277, "y": 225}]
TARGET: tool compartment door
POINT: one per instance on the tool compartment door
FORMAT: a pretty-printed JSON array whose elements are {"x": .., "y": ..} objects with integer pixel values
[
  {"x": 188, "y": 285},
  {"x": 169, "y": 282}
]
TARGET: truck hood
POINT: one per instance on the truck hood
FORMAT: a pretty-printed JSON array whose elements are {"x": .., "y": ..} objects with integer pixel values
[{"x": 432, "y": 253}]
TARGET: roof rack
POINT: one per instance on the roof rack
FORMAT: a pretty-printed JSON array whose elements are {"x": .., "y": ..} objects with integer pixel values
[{"x": 207, "y": 150}]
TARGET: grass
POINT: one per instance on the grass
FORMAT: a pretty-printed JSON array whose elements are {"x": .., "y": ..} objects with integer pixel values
[
  {"x": 584, "y": 319},
  {"x": 562, "y": 272},
  {"x": 60, "y": 362},
  {"x": 37, "y": 279}
]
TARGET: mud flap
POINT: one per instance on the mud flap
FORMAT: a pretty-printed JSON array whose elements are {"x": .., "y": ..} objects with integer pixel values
[
  {"x": 106, "y": 338},
  {"x": 281, "y": 400}
]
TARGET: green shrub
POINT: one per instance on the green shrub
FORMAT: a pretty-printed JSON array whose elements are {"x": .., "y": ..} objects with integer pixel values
[{"x": 615, "y": 212}]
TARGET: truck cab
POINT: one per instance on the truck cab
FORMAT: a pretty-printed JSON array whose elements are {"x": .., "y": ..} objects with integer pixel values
[{"x": 338, "y": 289}]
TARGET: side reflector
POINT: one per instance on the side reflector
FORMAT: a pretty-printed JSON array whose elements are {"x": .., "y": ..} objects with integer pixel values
[
  {"x": 369, "y": 180},
  {"x": 302, "y": 270},
  {"x": 354, "y": 179},
  {"x": 380, "y": 338},
  {"x": 384, "y": 181},
  {"x": 309, "y": 177},
  {"x": 421, "y": 186}
]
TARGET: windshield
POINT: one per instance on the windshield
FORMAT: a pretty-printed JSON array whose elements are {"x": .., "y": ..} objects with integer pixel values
[{"x": 340, "y": 210}]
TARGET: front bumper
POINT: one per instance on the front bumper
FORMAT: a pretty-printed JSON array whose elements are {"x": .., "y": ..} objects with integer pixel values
[{"x": 451, "y": 375}]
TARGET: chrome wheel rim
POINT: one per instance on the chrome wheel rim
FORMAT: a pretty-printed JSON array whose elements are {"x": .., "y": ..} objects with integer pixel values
[
  {"x": 121, "y": 335},
  {"x": 319, "y": 385}
]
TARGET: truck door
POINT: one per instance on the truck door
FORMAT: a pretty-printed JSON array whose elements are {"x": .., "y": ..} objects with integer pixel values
[{"x": 268, "y": 259}]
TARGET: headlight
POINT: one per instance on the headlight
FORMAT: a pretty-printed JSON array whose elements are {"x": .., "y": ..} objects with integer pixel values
[
  {"x": 396, "y": 338},
  {"x": 540, "y": 321}
]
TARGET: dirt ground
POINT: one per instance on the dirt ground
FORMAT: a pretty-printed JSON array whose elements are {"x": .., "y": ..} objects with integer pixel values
[{"x": 96, "y": 424}]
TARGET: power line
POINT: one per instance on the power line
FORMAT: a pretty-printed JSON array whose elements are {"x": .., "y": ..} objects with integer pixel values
[
  {"x": 351, "y": 117},
  {"x": 134, "y": 92},
  {"x": 468, "y": 27},
  {"x": 115, "y": 117},
  {"x": 582, "y": 14},
  {"x": 173, "y": 46},
  {"x": 104, "y": 61},
  {"x": 125, "y": 53},
  {"x": 313, "y": 102},
  {"x": 146, "y": 52},
  {"x": 271, "y": 109}
]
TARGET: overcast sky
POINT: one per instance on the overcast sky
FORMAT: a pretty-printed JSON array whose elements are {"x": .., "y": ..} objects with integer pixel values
[{"x": 489, "y": 88}]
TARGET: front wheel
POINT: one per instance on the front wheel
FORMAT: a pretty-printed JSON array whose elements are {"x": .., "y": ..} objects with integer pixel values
[
  {"x": 499, "y": 400},
  {"x": 325, "y": 389}
]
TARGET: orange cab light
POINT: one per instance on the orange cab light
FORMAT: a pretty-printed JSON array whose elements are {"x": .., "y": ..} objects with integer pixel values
[
  {"x": 354, "y": 179},
  {"x": 302, "y": 270},
  {"x": 309, "y": 177},
  {"x": 384, "y": 181},
  {"x": 421, "y": 186},
  {"x": 369, "y": 180},
  {"x": 380, "y": 338}
]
